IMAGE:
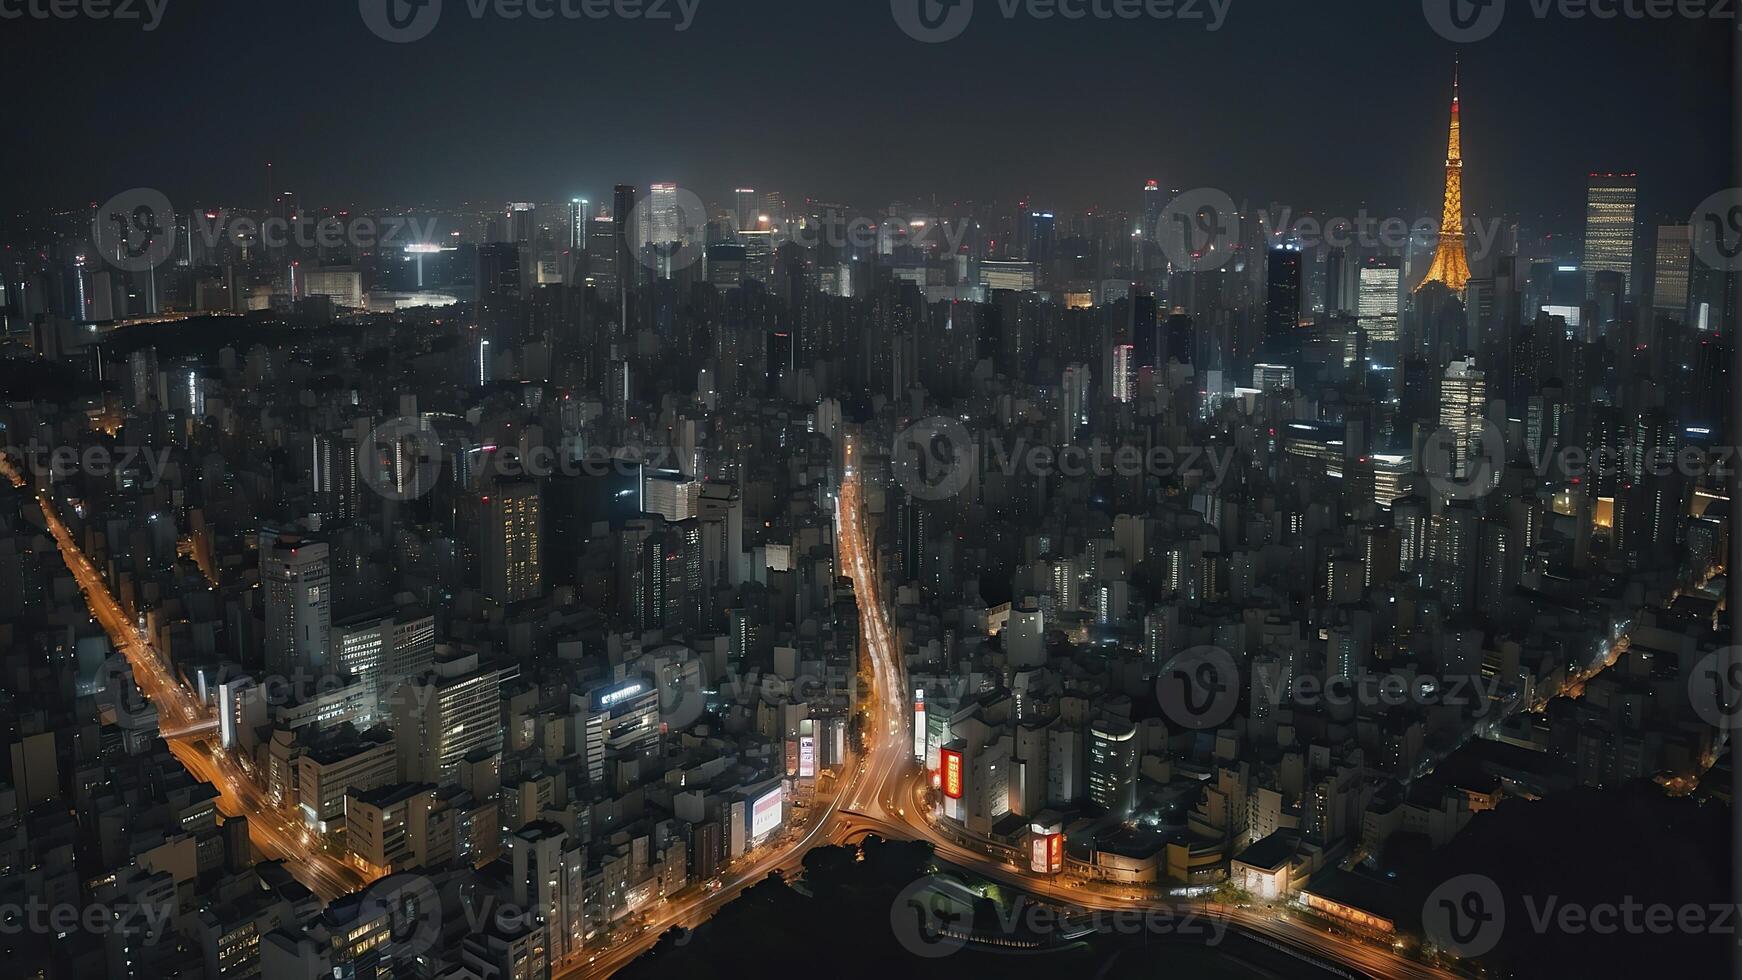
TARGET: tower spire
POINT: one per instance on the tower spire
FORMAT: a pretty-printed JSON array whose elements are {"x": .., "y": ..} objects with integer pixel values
[{"x": 1451, "y": 265}]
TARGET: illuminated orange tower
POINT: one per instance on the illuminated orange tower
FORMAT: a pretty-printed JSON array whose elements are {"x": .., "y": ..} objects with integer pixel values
[{"x": 1451, "y": 266}]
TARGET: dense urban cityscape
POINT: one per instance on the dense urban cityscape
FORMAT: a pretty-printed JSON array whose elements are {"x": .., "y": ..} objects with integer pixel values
[{"x": 922, "y": 544}]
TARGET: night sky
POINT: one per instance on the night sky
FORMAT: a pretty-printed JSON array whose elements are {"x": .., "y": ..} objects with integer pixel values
[{"x": 1309, "y": 103}]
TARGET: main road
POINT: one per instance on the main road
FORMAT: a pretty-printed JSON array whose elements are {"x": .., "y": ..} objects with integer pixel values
[
  {"x": 187, "y": 726},
  {"x": 892, "y": 801}
]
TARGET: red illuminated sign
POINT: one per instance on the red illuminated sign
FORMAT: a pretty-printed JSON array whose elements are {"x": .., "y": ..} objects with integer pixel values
[{"x": 952, "y": 763}]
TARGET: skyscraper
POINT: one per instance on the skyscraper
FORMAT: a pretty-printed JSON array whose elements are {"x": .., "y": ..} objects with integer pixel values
[
  {"x": 1073, "y": 400},
  {"x": 1282, "y": 300},
  {"x": 665, "y": 221},
  {"x": 1124, "y": 373},
  {"x": 510, "y": 531},
  {"x": 1669, "y": 287},
  {"x": 1463, "y": 403},
  {"x": 1377, "y": 300},
  {"x": 1113, "y": 766},
  {"x": 744, "y": 208},
  {"x": 1610, "y": 204},
  {"x": 1451, "y": 265},
  {"x": 294, "y": 574},
  {"x": 580, "y": 218},
  {"x": 628, "y": 252}
]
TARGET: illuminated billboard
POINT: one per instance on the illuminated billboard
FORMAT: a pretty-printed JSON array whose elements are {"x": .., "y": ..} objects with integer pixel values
[
  {"x": 619, "y": 694},
  {"x": 1047, "y": 853},
  {"x": 807, "y": 756},
  {"x": 919, "y": 723},
  {"x": 765, "y": 813},
  {"x": 952, "y": 772}
]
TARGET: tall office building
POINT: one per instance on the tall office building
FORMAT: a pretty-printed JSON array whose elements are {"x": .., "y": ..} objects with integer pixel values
[
  {"x": 1451, "y": 263},
  {"x": 295, "y": 575},
  {"x": 744, "y": 208},
  {"x": 511, "y": 522},
  {"x": 333, "y": 476},
  {"x": 1073, "y": 400},
  {"x": 580, "y": 219},
  {"x": 1669, "y": 286},
  {"x": 665, "y": 221},
  {"x": 1376, "y": 301},
  {"x": 1610, "y": 205},
  {"x": 1463, "y": 403},
  {"x": 628, "y": 253},
  {"x": 1154, "y": 203},
  {"x": 1113, "y": 766},
  {"x": 549, "y": 869},
  {"x": 1124, "y": 373},
  {"x": 1282, "y": 300},
  {"x": 499, "y": 293},
  {"x": 521, "y": 223},
  {"x": 446, "y": 713}
]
